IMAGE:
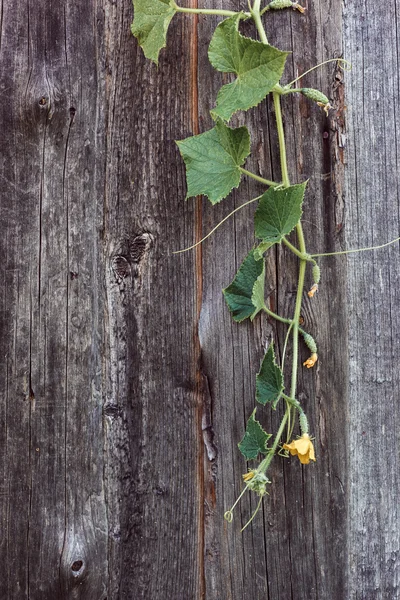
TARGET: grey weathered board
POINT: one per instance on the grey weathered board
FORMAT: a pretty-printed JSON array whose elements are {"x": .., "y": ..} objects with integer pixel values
[
  {"x": 124, "y": 383},
  {"x": 371, "y": 42}
]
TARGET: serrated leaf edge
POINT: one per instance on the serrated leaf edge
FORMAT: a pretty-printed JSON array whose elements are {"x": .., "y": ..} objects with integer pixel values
[
  {"x": 215, "y": 115},
  {"x": 274, "y": 402},
  {"x": 252, "y": 416}
]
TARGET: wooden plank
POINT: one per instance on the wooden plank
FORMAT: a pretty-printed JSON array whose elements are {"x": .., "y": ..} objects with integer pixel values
[
  {"x": 53, "y": 509},
  {"x": 304, "y": 524},
  {"x": 153, "y": 407},
  {"x": 93, "y": 316},
  {"x": 372, "y": 191},
  {"x": 298, "y": 551}
]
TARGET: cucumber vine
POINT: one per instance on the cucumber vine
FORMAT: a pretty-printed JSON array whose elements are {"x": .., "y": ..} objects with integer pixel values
[{"x": 214, "y": 166}]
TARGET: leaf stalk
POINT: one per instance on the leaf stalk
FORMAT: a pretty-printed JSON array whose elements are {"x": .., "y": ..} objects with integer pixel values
[
  {"x": 207, "y": 11},
  {"x": 258, "y": 178}
]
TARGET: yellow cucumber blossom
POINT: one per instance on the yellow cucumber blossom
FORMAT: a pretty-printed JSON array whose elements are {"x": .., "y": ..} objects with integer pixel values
[
  {"x": 256, "y": 481},
  {"x": 303, "y": 448},
  {"x": 298, "y": 7},
  {"x": 310, "y": 362},
  {"x": 249, "y": 475},
  {"x": 312, "y": 291},
  {"x": 326, "y": 106}
]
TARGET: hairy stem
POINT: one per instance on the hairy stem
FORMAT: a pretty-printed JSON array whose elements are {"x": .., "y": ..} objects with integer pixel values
[
  {"x": 281, "y": 138},
  {"x": 264, "y": 464},
  {"x": 296, "y": 319},
  {"x": 257, "y": 177},
  {"x": 302, "y": 253},
  {"x": 277, "y": 317},
  {"x": 302, "y": 247},
  {"x": 207, "y": 11},
  {"x": 255, "y": 13},
  {"x": 297, "y": 252}
]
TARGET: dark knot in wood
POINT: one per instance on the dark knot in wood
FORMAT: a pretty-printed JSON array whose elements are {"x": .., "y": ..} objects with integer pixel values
[
  {"x": 139, "y": 246},
  {"x": 120, "y": 267},
  {"x": 110, "y": 410},
  {"x": 76, "y": 566}
]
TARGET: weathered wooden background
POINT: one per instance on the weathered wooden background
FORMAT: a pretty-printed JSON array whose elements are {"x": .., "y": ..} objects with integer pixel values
[{"x": 125, "y": 385}]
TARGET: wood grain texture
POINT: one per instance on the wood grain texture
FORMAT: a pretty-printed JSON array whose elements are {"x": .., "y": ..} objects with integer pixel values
[
  {"x": 54, "y": 526},
  {"x": 372, "y": 188},
  {"x": 124, "y": 383}
]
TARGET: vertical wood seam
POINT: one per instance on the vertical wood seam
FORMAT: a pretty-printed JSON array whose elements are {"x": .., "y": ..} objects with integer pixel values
[
  {"x": 198, "y": 264},
  {"x": 1, "y": 22}
]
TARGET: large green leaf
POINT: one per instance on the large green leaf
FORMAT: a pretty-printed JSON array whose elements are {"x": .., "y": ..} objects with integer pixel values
[
  {"x": 150, "y": 25},
  {"x": 255, "y": 439},
  {"x": 213, "y": 159},
  {"x": 278, "y": 212},
  {"x": 258, "y": 68},
  {"x": 245, "y": 288},
  {"x": 269, "y": 381}
]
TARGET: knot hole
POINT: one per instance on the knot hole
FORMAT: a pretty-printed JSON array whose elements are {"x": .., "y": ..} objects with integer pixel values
[{"x": 77, "y": 566}]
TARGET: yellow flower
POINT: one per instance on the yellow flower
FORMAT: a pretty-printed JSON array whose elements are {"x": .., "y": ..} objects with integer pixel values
[
  {"x": 299, "y": 8},
  {"x": 310, "y": 362},
  {"x": 313, "y": 290},
  {"x": 303, "y": 448},
  {"x": 326, "y": 106},
  {"x": 248, "y": 476}
]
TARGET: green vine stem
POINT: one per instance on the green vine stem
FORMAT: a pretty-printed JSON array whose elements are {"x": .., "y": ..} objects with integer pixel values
[
  {"x": 206, "y": 11},
  {"x": 299, "y": 253},
  {"x": 291, "y": 403},
  {"x": 214, "y": 162},
  {"x": 255, "y": 13},
  {"x": 281, "y": 138},
  {"x": 258, "y": 178}
]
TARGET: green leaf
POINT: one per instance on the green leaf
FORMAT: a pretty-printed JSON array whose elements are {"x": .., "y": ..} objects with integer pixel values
[
  {"x": 239, "y": 294},
  {"x": 258, "y": 68},
  {"x": 269, "y": 381},
  {"x": 213, "y": 159},
  {"x": 150, "y": 25},
  {"x": 255, "y": 439},
  {"x": 278, "y": 212}
]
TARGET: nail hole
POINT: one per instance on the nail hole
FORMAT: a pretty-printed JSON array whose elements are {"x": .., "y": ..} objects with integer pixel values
[
  {"x": 76, "y": 566},
  {"x": 43, "y": 101}
]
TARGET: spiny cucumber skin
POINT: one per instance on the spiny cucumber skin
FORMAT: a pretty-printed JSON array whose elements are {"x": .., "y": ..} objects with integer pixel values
[
  {"x": 310, "y": 343},
  {"x": 278, "y": 4},
  {"x": 314, "y": 95},
  {"x": 316, "y": 274}
]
